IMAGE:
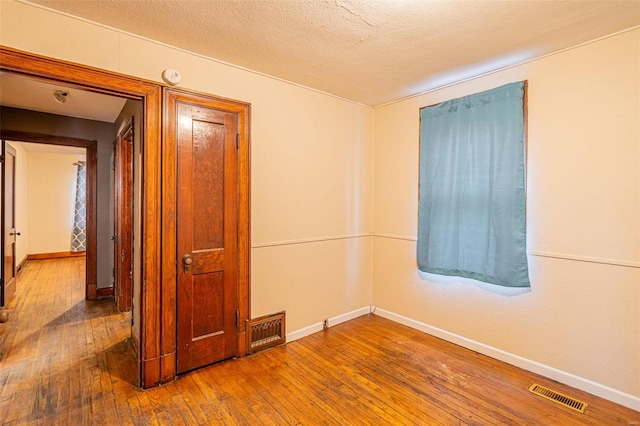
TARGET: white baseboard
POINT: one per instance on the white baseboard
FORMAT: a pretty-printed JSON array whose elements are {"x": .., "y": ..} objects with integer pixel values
[
  {"x": 593, "y": 388},
  {"x": 314, "y": 328}
]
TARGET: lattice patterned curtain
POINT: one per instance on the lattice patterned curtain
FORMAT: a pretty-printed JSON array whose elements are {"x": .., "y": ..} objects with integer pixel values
[{"x": 79, "y": 235}]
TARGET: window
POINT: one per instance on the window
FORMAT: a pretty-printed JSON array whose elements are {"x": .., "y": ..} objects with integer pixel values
[{"x": 472, "y": 205}]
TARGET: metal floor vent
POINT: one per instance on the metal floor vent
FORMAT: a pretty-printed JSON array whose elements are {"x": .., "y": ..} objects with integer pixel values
[
  {"x": 265, "y": 332},
  {"x": 565, "y": 400}
]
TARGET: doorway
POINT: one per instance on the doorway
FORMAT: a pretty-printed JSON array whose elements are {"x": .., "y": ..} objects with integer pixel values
[
  {"x": 51, "y": 194},
  {"x": 150, "y": 350},
  {"x": 53, "y": 165},
  {"x": 89, "y": 146}
]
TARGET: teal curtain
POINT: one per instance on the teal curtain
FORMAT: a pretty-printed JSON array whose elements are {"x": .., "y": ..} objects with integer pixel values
[{"x": 471, "y": 213}]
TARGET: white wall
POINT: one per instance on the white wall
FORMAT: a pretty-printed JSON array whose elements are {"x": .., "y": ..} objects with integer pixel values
[
  {"x": 311, "y": 163},
  {"x": 50, "y": 199},
  {"x": 581, "y": 321},
  {"x": 45, "y": 198}
]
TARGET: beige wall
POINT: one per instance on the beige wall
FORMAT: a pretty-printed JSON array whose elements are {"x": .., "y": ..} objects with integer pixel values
[
  {"x": 582, "y": 316},
  {"x": 311, "y": 163}
]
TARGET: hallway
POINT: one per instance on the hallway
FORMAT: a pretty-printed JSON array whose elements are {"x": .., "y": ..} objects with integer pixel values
[{"x": 63, "y": 354}]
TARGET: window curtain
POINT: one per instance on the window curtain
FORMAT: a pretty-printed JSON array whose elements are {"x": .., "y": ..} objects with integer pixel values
[
  {"x": 79, "y": 233},
  {"x": 471, "y": 213}
]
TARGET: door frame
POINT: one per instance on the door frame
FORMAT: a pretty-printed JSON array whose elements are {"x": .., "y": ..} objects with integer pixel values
[
  {"x": 91, "y": 146},
  {"x": 100, "y": 81},
  {"x": 123, "y": 215},
  {"x": 8, "y": 289},
  {"x": 158, "y": 283}
]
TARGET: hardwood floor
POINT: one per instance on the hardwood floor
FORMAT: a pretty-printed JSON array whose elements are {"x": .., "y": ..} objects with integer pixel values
[{"x": 68, "y": 361}]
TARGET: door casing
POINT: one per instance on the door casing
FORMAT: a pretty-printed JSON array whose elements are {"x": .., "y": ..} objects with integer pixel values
[
  {"x": 91, "y": 274},
  {"x": 123, "y": 218}
]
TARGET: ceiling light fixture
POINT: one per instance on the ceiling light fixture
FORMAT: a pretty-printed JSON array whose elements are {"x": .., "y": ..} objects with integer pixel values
[{"x": 60, "y": 96}]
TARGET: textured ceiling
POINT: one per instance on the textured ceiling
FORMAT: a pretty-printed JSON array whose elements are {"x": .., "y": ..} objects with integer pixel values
[
  {"x": 25, "y": 93},
  {"x": 369, "y": 51}
]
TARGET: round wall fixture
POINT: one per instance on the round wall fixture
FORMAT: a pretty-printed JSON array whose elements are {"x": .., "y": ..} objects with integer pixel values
[{"x": 171, "y": 76}]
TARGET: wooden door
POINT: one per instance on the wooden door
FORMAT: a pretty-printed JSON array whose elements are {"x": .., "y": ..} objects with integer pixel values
[
  {"x": 207, "y": 233},
  {"x": 8, "y": 224},
  {"x": 123, "y": 219}
]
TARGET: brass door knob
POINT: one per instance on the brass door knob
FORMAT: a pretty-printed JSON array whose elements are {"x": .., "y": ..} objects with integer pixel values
[{"x": 186, "y": 262}]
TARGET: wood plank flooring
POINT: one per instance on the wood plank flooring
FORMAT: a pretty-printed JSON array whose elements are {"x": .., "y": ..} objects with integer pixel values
[{"x": 70, "y": 362}]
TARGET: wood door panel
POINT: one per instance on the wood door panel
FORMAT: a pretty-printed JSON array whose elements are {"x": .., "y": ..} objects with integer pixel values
[
  {"x": 207, "y": 234},
  {"x": 208, "y": 184},
  {"x": 208, "y": 292},
  {"x": 208, "y": 261}
]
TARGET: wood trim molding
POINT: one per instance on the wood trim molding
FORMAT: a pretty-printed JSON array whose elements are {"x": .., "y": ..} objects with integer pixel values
[
  {"x": 104, "y": 292},
  {"x": 21, "y": 264},
  {"x": 95, "y": 80},
  {"x": 168, "y": 365},
  {"x": 55, "y": 255},
  {"x": 244, "y": 224},
  {"x": 151, "y": 300}
]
